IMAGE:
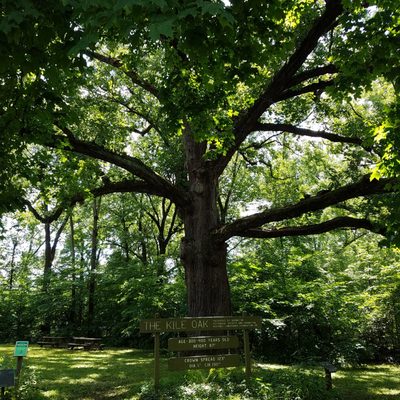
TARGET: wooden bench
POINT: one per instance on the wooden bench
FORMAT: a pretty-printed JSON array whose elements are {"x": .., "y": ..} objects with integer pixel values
[
  {"x": 53, "y": 341},
  {"x": 86, "y": 343}
]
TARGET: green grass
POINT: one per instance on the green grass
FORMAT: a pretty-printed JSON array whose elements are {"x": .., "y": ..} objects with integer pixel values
[
  {"x": 120, "y": 374},
  {"x": 110, "y": 374},
  {"x": 377, "y": 382},
  {"x": 373, "y": 382}
]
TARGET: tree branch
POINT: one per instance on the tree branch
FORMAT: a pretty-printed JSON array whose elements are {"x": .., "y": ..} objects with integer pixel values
[
  {"x": 140, "y": 114},
  {"x": 316, "y": 87},
  {"x": 133, "y": 75},
  {"x": 312, "y": 73},
  {"x": 35, "y": 212},
  {"x": 333, "y": 137},
  {"x": 58, "y": 234},
  {"x": 131, "y": 164},
  {"x": 314, "y": 229},
  {"x": 126, "y": 186},
  {"x": 172, "y": 228},
  {"x": 364, "y": 187},
  {"x": 283, "y": 79}
]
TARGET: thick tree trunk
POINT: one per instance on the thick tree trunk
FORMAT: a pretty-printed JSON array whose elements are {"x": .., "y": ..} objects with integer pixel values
[{"x": 204, "y": 259}]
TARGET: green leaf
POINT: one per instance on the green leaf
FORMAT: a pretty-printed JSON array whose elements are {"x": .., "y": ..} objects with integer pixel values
[{"x": 163, "y": 28}]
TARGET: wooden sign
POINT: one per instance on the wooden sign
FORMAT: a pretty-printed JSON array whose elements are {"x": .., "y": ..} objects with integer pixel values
[
  {"x": 203, "y": 343},
  {"x": 7, "y": 378},
  {"x": 199, "y": 324},
  {"x": 21, "y": 349},
  {"x": 193, "y": 343},
  {"x": 207, "y": 361}
]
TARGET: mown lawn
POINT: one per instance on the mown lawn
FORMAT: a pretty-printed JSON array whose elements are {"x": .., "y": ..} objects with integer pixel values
[{"x": 120, "y": 374}]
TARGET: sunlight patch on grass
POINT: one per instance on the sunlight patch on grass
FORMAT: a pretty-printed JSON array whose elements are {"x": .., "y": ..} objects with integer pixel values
[
  {"x": 83, "y": 365},
  {"x": 85, "y": 380},
  {"x": 137, "y": 362},
  {"x": 117, "y": 391},
  {"x": 272, "y": 366},
  {"x": 51, "y": 394}
]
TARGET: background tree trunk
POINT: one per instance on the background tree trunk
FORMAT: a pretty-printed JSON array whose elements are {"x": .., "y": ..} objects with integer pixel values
[
  {"x": 73, "y": 313},
  {"x": 12, "y": 266},
  {"x": 93, "y": 266}
]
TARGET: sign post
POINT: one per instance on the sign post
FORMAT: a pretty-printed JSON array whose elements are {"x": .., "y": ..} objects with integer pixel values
[
  {"x": 20, "y": 351},
  {"x": 157, "y": 360},
  {"x": 247, "y": 358}
]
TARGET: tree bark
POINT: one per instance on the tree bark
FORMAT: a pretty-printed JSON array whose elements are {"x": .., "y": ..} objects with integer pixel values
[{"x": 204, "y": 259}]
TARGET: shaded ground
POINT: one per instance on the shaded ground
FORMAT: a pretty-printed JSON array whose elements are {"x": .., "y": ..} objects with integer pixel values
[
  {"x": 119, "y": 374},
  {"x": 376, "y": 382}
]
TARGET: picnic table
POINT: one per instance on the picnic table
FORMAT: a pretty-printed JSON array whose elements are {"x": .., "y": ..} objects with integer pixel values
[
  {"x": 86, "y": 343},
  {"x": 53, "y": 341}
]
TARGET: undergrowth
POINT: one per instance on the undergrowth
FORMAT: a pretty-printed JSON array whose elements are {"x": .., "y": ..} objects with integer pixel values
[
  {"x": 26, "y": 387},
  {"x": 293, "y": 384}
]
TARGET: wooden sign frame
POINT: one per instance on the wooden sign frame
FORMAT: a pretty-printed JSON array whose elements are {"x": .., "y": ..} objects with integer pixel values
[
  {"x": 193, "y": 343},
  {"x": 199, "y": 324}
]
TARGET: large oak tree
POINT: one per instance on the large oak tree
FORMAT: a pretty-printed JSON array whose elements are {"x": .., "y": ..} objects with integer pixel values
[{"x": 162, "y": 96}]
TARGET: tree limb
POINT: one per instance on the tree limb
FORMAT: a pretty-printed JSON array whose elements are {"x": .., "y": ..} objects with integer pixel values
[
  {"x": 312, "y": 73},
  {"x": 125, "y": 186},
  {"x": 133, "y": 75},
  {"x": 58, "y": 235},
  {"x": 363, "y": 187},
  {"x": 131, "y": 164},
  {"x": 35, "y": 212},
  {"x": 333, "y": 137},
  {"x": 282, "y": 80},
  {"x": 140, "y": 114},
  {"x": 316, "y": 87},
  {"x": 314, "y": 229}
]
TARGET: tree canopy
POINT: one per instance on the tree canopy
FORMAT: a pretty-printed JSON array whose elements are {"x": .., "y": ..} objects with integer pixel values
[{"x": 289, "y": 106}]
